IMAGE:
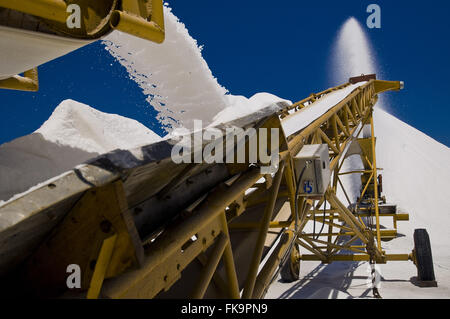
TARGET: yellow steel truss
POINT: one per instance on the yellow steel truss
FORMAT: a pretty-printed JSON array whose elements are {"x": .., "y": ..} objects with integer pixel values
[
  {"x": 207, "y": 234},
  {"x": 336, "y": 128}
]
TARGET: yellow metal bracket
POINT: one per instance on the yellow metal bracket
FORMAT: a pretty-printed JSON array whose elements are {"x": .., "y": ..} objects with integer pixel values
[
  {"x": 95, "y": 236},
  {"x": 101, "y": 267},
  {"x": 54, "y": 10},
  {"x": 146, "y": 22},
  {"x": 28, "y": 82},
  {"x": 141, "y": 18},
  {"x": 383, "y": 86}
]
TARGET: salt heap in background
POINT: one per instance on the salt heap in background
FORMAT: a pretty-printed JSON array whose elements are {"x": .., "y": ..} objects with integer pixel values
[{"x": 74, "y": 133}]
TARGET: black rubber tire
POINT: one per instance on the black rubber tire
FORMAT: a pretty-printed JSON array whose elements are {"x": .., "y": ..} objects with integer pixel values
[
  {"x": 424, "y": 258},
  {"x": 290, "y": 271}
]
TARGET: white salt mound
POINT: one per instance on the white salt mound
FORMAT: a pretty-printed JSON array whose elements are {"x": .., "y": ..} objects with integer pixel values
[
  {"x": 79, "y": 125},
  {"x": 73, "y": 134},
  {"x": 416, "y": 173}
]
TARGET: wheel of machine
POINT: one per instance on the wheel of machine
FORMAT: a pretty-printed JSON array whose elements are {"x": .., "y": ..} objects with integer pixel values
[
  {"x": 290, "y": 271},
  {"x": 423, "y": 256}
]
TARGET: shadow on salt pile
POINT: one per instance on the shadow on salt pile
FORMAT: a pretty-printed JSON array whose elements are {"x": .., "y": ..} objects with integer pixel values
[{"x": 31, "y": 159}]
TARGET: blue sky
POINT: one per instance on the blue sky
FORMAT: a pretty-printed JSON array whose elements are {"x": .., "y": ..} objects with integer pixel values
[{"x": 258, "y": 46}]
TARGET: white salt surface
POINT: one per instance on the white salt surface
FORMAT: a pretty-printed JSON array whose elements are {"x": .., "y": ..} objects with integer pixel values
[
  {"x": 73, "y": 134},
  {"x": 240, "y": 106}
]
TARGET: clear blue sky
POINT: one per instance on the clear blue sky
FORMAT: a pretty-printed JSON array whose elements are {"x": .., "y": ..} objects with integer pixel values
[{"x": 264, "y": 46}]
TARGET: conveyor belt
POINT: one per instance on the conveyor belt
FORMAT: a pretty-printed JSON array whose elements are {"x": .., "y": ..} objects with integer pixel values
[{"x": 170, "y": 215}]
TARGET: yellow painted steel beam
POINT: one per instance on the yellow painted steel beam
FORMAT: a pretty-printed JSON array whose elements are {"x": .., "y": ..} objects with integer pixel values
[
  {"x": 28, "y": 82},
  {"x": 328, "y": 244},
  {"x": 355, "y": 172},
  {"x": 167, "y": 248},
  {"x": 290, "y": 182},
  {"x": 358, "y": 257},
  {"x": 101, "y": 267},
  {"x": 328, "y": 141},
  {"x": 96, "y": 216},
  {"x": 347, "y": 244},
  {"x": 137, "y": 25},
  {"x": 399, "y": 217},
  {"x": 259, "y": 247},
  {"x": 211, "y": 266},
  {"x": 319, "y": 255},
  {"x": 54, "y": 10},
  {"x": 375, "y": 182},
  {"x": 343, "y": 189},
  {"x": 383, "y": 86},
  {"x": 228, "y": 260},
  {"x": 387, "y": 233},
  {"x": 351, "y": 220},
  {"x": 265, "y": 275},
  {"x": 365, "y": 188},
  {"x": 272, "y": 225}
]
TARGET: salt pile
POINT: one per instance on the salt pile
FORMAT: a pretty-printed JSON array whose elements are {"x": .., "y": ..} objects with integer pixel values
[{"x": 73, "y": 134}]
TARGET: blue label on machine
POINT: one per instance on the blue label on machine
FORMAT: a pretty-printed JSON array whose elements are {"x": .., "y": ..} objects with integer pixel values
[{"x": 307, "y": 187}]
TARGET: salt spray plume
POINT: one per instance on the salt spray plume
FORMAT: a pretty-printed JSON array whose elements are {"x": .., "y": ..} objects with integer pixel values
[
  {"x": 177, "y": 81},
  {"x": 352, "y": 52},
  {"x": 353, "y": 55}
]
